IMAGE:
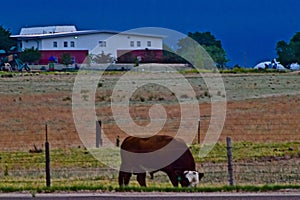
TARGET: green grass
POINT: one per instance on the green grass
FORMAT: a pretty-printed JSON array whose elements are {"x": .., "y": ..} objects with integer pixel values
[
  {"x": 186, "y": 71},
  {"x": 76, "y": 188},
  {"x": 60, "y": 158},
  {"x": 196, "y": 71},
  {"x": 58, "y": 72},
  {"x": 243, "y": 151},
  {"x": 230, "y": 71},
  {"x": 81, "y": 158},
  {"x": 65, "y": 164},
  {"x": 4, "y": 72},
  {"x": 249, "y": 70}
]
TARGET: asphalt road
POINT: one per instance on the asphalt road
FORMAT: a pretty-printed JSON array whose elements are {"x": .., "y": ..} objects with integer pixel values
[{"x": 150, "y": 196}]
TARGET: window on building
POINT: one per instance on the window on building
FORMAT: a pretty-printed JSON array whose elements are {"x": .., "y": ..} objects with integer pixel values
[
  {"x": 132, "y": 43},
  {"x": 72, "y": 44},
  {"x": 138, "y": 43},
  {"x": 65, "y": 44},
  {"x": 149, "y": 44},
  {"x": 102, "y": 43},
  {"x": 54, "y": 44}
]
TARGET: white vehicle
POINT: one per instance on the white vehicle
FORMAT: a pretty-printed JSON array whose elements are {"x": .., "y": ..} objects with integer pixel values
[
  {"x": 274, "y": 64},
  {"x": 294, "y": 67}
]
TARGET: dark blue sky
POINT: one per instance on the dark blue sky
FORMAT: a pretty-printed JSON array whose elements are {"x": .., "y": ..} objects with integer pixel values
[{"x": 247, "y": 28}]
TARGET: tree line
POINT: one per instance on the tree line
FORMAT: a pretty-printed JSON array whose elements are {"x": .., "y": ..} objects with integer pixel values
[{"x": 289, "y": 52}]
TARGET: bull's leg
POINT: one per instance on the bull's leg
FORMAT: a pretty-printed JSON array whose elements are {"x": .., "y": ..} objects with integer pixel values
[
  {"x": 124, "y": 178},
  {"x": 173, "y": 178},
  {"x": 127, "y": 177},
  {"x": 141, "y": 178},
  {"x": 121, "y": 178}
]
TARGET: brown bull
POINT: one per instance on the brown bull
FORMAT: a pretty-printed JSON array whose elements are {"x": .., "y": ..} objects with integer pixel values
[{"x": 158, "y": 153}]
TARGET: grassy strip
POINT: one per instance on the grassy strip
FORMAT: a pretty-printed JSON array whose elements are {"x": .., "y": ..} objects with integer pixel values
[
  {"x": 250, "y": 70},
  {"x": 231, "y": 71},
  {"x": 81, "y": 158},
  {"x": 184, "y": 72},
  {"x": 76, "y": 188},
  {"x": 243, "y": 151}
]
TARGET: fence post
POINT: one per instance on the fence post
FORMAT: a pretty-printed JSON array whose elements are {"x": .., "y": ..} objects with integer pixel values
[
  {"x": 199, "y": 131},
  {"x": 98, "y": 134},
  {"x": 47, "y": 155},
  {"x": 229, "y": 158}
]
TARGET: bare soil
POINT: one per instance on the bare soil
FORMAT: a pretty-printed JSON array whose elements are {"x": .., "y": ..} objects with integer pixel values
[{"x": 260, "y": 108}]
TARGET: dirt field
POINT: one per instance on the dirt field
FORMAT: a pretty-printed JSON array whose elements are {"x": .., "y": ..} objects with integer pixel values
[{"x": 260, "y": 108}]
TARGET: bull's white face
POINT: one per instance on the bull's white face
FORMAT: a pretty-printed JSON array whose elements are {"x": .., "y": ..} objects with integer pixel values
[{"x": 193, "y": 177}]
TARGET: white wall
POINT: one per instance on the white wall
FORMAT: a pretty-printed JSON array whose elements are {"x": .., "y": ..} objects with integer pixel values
[
  {"x": 123, "y": 41},
  {"x": 28, "y": 44},
  {"x": 91, "y": 42}
]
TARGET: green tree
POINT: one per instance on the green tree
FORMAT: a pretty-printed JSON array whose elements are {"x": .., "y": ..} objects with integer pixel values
[
  {"x": 285, "y": 53},
  {"x": 196, "y": 54},
  {"x": 289, "y": 53},
  {"x": 6, "y": 43},
  {"x": 167, "y": 48},
  {"x": 218, "y": 55},
  {"x": 209, "y": 42},
  {"x": 169, "y": 55},
  {"x": 30, "y": 55},
  {"x": 205, "y": 39},
  {"x": 66, "y": 59},
  {"x": 295, "y": 45}
]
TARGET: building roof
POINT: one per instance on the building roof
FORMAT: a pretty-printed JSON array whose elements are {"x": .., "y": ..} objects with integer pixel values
[
  {"x": 47, "y": 30},
  {"x": 65, "y": 31}
]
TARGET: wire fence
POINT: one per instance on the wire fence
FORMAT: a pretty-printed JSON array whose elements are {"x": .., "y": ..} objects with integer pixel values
[
  {"x": 249, "y": 173},
  {"x": 279, "y": 165}
]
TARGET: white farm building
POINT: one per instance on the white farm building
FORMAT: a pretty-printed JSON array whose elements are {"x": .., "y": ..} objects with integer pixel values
[{"x": 53, "y": 41}]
